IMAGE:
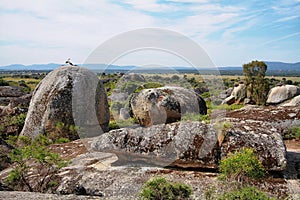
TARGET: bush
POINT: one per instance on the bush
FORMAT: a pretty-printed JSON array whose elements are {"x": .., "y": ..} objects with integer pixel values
[
  {"x": 160, "y": 188},
  {"x": 245, "y": 193},
  {"x": 295, "y": 133},
  {"x": 47, "y": 164},
  {"x": 3, "y": 82},
  {"x": 242, "y": 165}
]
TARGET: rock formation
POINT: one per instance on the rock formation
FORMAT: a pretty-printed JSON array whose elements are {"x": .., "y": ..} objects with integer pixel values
[
  {"x": 293, "y": 102},
  {"x": 282, "y": 93},
  {"x": 165, "y": 105},
  {"x": 190, "y": 144},
  {"x": 71, "y": 95},
  {"x": 238, "y": 94}
]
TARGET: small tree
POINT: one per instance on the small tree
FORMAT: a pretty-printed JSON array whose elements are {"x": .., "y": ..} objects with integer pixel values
[{"x": 257, "y": 85}]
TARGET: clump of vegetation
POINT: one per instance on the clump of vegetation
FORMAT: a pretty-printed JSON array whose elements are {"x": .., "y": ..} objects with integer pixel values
[
  {"x": 46, "y": 164},
  {"x": 3, "y": 82},
  {"x": 228, "y": 107},
  {"x": 195, "y": 117},
  {"x": 245, "y": 193},
  {"x": 294, "y": 133},
  {"x": 257, "y": 85},
  {"x": 241, "y": 166},
  {"x": 116, "y": 124},
  {"x": 160, "y": 188},
  {"x": 62, "y": 130},
  {"x": 9, "y": 121}
]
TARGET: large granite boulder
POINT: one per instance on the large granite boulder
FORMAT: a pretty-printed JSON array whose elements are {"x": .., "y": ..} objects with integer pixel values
[
  {"x": 282, "y": 93},
  {"x": 188, "y": 144},
  {"x": 71, "y": 95},
  {"x": 191, "y": 145},
  {"x": 165, "y": 105}
]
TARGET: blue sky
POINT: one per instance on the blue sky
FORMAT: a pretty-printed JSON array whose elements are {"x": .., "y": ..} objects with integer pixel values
[{"x": 232, "y": 32}]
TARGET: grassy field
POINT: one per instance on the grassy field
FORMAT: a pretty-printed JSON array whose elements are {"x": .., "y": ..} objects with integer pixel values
[{"x": 31, "y": 82}]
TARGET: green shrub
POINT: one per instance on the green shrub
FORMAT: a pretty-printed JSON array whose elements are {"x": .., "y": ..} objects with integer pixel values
[
  {"x": 245, "y": 193},
  {"x": 160, "y": 188},
  {"x": 242, "y": 165},
  {"x": 61, "y": 140},
  {"x": 294, "y": 133},
  {"x": 205, "y": 95},
  {"x": 116, "y": 124},
  {"x": 3, "y": 82},
  {"x": 47, "y": 164}
]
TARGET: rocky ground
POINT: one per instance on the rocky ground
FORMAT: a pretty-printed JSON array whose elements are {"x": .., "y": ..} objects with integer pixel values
[{"x": 95, "y": 175}]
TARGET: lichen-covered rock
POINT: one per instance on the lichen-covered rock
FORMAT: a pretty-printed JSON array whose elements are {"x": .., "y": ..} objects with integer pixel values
[
  {"x": 192, "y": 144},
  {"x": 187, "y": 144},
  {"x": 65, "y": 95},
  {"x": 165, "y": 105},
  {"x": 282, "y": 93},
  {"x": 270, "y": 148}
]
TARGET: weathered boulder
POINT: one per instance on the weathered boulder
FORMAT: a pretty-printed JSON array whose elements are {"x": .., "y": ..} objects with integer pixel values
[
  {"x": 238, "y": 94},
  {"x": 282, "y": 93},
  {"x": 124, "y": 114},
  {"x": 293, "y": 102},
  {"x": 71, "y": 95},
  {"x": 11, "y": 91},
  {"x": 165, "y": 105},
  {"x": 269, "y": 147},
  {"x": 191, "y": 144},
  {"x": 188, "y": 144},
  {"x": 134, "y": 77}
]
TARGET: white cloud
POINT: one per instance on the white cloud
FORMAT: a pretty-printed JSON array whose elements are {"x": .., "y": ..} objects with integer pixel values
[
  {"x": 284, "y": 19},
  {"x": 150, "y": 5}
]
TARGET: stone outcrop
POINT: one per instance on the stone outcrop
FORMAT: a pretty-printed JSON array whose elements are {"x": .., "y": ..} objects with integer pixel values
[
  {"x": 282, "y": 93},
  {"x": 238, "y": 94},
  {"x": 165, "y": 105},
  {"x": 191, "y": 144},
  {"x": 293, "y": 102},
  {"x": 178, "y": 144},
  {"x": 71, "y": 95},
  {"x": 269, "y": 147},
  {"x": 133, "y": 77}
]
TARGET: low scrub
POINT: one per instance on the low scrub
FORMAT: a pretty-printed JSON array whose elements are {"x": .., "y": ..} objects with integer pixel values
[
  {"x": 46, "y": 164},
  {"x": 245, "y": 193},
  {"x": 294, "y": 133},
  {"x": 160, "y": 188},
  {"x": 241, "y": 166}
]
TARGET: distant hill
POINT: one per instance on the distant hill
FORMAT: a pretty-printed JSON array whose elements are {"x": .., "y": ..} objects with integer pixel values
[{"x": 273, "y": 67}]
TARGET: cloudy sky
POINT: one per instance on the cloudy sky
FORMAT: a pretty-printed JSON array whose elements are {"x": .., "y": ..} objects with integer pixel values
[{"x": 232, "y": 32}]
